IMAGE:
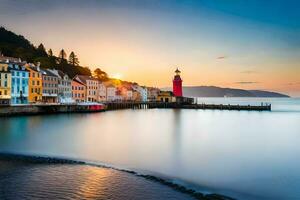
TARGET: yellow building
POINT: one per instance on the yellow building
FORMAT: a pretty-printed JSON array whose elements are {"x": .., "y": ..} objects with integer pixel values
[
  {"x": 35, "y": 84},
  {"x": 166, "y": 96},
  {"x": 5, "y": 83}
]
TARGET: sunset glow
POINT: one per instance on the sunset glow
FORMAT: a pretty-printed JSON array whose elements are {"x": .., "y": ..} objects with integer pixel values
[{"x": 236, "y": 44}]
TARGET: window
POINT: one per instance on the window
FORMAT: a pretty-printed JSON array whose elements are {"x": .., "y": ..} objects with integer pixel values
[
  {"x": 32, "y": 82},
  {"x": 5, "y": 92}
]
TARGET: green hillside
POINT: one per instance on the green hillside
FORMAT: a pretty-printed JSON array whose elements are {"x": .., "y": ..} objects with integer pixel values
[{"x": 14, "y": 45}]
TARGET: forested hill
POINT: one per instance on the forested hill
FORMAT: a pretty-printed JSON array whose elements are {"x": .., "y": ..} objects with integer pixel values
[{"x": 14, "y": 45}]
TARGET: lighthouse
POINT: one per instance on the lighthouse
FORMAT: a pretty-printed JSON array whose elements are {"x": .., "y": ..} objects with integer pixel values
[{"x": 177, "y": 84}]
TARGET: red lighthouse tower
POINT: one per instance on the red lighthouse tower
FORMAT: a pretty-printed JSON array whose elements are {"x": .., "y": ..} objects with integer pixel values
[{"x": 177, "y": 84}]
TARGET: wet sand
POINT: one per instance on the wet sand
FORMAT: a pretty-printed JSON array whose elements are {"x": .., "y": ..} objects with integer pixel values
[{"x": 26, "y": 177}]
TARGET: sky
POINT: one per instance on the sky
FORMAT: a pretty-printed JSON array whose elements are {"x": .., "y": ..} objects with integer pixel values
[{"x": 248, "y": 44}]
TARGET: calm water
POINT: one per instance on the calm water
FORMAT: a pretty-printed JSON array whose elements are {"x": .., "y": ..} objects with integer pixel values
[{"x": 248, "y": 155}]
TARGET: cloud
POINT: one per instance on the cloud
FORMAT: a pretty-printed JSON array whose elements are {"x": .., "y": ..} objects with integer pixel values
[
  {"x": 222, "y": 57},
  {"x": 246, "y": 82},
  {"x": 249, "y": 72},
  {"x": 295, "y": 83}
]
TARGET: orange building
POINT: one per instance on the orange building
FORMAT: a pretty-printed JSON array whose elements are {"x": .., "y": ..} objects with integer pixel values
[
  {"x": 78, "y": 91},
  {"x": 35, "y": 84}
]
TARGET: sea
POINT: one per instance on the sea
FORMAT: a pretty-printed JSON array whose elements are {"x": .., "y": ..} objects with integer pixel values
[{"x": 240, "y": 154}]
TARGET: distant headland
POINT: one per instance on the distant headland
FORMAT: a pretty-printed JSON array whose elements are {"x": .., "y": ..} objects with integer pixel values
[{"x": 213, "y": 91}]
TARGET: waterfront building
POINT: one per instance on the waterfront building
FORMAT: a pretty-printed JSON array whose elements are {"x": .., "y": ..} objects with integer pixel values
[
  {"x": 102, "y": 92},
  {"x": 119, "y": 96},
  {"x": 129, "y": 95},
  {"x": 177, "y": 84},
  {"x": 5, "y": 84},
  {"x": 142, "y": 90},
  {"x": 166, "y": 96},
  {"x": 92, "y": 87},
  {"x": 35, "y": 83},
  {"x": 78, "y": 91},
  {"x": 50, "y": 87},
  {"x": 111, "y": 91},
  {"x": 64, "y": 86},
  {"x": 124, "y": 92},
  {"x": 19, "y": 83},
  {"x": 136, "y": 96},
  {"x": 152, "y": 93}
]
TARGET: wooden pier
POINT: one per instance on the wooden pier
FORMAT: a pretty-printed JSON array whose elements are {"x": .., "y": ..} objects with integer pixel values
[{"x": 151, "y": 105}]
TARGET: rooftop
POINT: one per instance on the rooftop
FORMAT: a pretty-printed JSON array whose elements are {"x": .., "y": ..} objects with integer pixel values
[{"x": 83, "y": 78}]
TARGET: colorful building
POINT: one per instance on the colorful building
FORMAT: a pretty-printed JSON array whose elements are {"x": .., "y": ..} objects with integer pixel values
[
  {"x": 142, "y": 90},
  {"x": 50, "y": 87},
  {"x": 78, "y": 91},
  {"x": 166, "y": 96},
  {"x": 92, "y": 87},
  {"x": 152, "y": 93},
  {"x": 177, "y": 84},
  {"x": 19, "y": 83},
  {"x": 136, "y": 96},
  {"x": 35, "y": 83},
  {"x": 102, "y": 92},
  {"x": 111, "y": 91},
  {"x": 5, "y": 84},
  {"x": 64, "y": 86}
]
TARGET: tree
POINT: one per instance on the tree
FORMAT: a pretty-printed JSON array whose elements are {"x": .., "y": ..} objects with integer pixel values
[
  {"x": 41, "y": 51},
  {"x": 50, "y": 53},
  {"x": 73, "y": 59},
  {"x": 101, "y": 75},
  {"x": 62, "y": 56}
]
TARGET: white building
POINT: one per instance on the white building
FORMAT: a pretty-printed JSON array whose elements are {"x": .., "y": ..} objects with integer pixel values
[
  {"x": 111, "y": 93},
  {"x": 142, "y": 90},
  {"x": 101, "y": 92}
]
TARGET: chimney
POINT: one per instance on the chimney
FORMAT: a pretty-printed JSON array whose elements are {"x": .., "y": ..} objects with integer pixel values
[{"x": 38, "y": 64}]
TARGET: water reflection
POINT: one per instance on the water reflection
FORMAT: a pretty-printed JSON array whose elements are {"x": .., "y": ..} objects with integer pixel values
[{"x": 20, "y": 180}]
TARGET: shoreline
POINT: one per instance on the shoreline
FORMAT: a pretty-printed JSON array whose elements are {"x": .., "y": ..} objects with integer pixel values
[
  {"x": 46, "y": 109},
  {"x": 34, "y": 159}
]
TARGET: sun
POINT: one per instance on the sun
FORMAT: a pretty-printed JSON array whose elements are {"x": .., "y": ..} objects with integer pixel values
[{"x": 116, "y": 76}]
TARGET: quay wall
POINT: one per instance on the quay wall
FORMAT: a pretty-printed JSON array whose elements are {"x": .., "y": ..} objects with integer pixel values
[
  {"x": 11, "y": 110},
  {"x": 47, "y": 109}
]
